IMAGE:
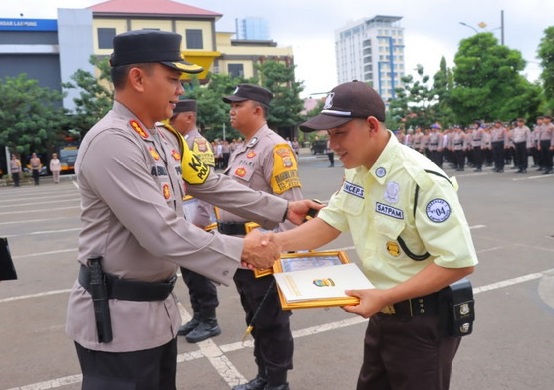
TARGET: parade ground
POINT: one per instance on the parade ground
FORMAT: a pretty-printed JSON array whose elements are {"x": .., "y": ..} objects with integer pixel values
[{"x": 511, "y": 217}]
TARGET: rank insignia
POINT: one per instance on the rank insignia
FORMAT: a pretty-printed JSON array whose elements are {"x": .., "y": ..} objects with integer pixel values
[
  {"x": 251, "y": 154},
  {"x": 240, "y": 172},
  {"x": 393, "y": 248},
  {"x": 154, "y": 153},
  {"x": 166, "y": 191},
  {"x": 176, "y": 155},
  {"x": 136, "y": 126}
]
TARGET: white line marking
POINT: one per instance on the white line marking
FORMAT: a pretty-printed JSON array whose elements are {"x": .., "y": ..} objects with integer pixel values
[
  {"x": 39, "y": 295},
  {"x": 73, "y": 199},
  {"x": 45, "y": 232},
  {"x": 35, "y": 220},
  {"x": 39, "y": 210},
  {"x": 215, "y": 354},
  {"x": 45, "y": 253}
]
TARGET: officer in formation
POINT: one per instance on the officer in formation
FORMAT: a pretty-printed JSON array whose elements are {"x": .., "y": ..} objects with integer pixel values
[
  {"x": 121, "y": 312},
  {"x": 520, "y": 136},
  {"x": 265, "y": 162},
  {"x": 202, "y": 291},
  {"x": 545, "y": 144},
  {"x": 408, "y": 250}
]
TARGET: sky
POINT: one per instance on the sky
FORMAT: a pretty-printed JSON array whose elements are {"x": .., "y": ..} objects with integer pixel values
[{"x": 432, "y": 28}]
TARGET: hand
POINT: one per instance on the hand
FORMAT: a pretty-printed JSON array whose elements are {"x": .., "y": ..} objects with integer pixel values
[
  {"x": 259, "y": 250},
  {"x": 299, "y": 209},
  {"x": 371, "y": 302}
]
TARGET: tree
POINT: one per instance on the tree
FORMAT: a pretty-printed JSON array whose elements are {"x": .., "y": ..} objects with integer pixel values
[
  {"x": 488, "y": 83},
  {"x": 443, "y": 85},
  {"x": 96, "y": 97},
  {"x": 32, "y": 116},
  {"x": 286, "y": 106},
  {"x": 546, "y": 54},
  {"x": 416, "y": 102}
]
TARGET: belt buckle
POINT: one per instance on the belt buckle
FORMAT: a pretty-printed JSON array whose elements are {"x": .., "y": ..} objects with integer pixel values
[{"x": 389, "y": 309}]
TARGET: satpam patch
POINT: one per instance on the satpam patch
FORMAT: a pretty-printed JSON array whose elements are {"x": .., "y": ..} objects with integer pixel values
[{"x": 438, "y": 210}]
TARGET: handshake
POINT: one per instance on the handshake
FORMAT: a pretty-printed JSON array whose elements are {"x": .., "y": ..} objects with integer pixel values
[{"x": 260, "y": 250}]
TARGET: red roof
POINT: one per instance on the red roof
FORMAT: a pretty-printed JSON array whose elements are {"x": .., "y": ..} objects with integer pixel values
[{"x": 151, "y": 8}]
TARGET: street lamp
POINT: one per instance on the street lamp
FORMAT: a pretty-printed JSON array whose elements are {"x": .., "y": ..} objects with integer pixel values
[{"x": 471, "y": 27}]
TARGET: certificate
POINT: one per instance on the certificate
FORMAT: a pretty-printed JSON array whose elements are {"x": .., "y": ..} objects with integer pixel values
[
  {"x": 318, "y": 279},
  {"x": 190, "y": 208}
]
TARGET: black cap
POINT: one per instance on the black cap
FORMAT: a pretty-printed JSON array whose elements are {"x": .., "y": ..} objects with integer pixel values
[
  {"x": 142, "y": 46},
  {"x": 345, "y": 102},
  {"x": 250, "y": 92},
  {"x": 185, "y": 105}
]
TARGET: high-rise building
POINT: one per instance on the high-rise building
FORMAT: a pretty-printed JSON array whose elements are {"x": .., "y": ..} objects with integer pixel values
[
  {"x": 372, "y": 50},
  {"x": 252, "y": 29}
]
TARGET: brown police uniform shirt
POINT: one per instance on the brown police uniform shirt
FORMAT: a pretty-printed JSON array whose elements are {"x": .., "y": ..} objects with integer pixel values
[
  {"x": 266, "y": 163},
  {"x": 132, "y": 188}
]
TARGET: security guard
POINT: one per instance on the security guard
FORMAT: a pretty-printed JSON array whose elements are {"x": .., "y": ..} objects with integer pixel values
[
  {"x": 410, "y": 233},
  {"x": 202, "y": 291},
  {"x": 265, "y": 162},
  {"x": 121, "y": 313}
]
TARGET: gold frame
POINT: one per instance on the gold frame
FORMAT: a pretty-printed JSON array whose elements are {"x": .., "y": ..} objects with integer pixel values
[{"x": 325, "y": 302}]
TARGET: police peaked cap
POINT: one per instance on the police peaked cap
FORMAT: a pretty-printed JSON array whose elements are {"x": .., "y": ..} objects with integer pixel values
[
  {"x": 250, "y": 92},
  {"x": 185, "y": 105},
  {"x": 144, "y": 46}
]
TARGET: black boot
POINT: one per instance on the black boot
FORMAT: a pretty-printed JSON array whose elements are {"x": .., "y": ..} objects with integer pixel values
[
  {"x": 258, "y": 383},
  {"x": 284, "y": 386},
  {"x": 208, "y": 327},
  {"x": 189, "y": 326}
]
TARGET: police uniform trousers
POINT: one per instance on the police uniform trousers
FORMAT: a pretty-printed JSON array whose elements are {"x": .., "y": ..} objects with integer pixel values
[
  {"x": 546, "y": 155},
  {"x": 521, "y": 155},
  {"x": 273, "y": 342},
  {"x": 403, "y": 353},
  {"x": 498, "y": 154},
  {"x": 202, "y": 291},
  {"x": 478, "y": 157},
  {"x": 150, "y": 369}
]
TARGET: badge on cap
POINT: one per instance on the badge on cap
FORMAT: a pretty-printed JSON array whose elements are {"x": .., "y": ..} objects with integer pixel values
[
  {"x": 329, "y": 100},
  {"x": 136, "y": 126},
  {"x": 438, "y": 210}
]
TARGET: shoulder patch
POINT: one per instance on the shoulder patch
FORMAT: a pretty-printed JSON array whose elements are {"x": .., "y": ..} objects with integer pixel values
[
  {"x": 438, "y": 210},
  {"x": 285, "y": 169}
]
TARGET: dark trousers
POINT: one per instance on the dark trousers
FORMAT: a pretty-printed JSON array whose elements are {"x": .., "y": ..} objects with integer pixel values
[
  {"x": 36, "y": 175},
  {"x": 331, "y": 157},
  {"x": 521, "y": 155},
  {"x": 546, "y": 155},
  {"x": 151, "y": 369},
  {"x": 273, "y": 342},
  {"x": 15, "y": 178},
  {"x": 202, "y": 291},
  {"x": 498, "y": 154},
  {"x": 460, "y": 159},
  {"x": 478, "y": 157},
  {"x": 406, "y": 354}
]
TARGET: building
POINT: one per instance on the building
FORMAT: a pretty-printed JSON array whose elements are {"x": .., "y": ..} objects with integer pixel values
[
  {"x": 372, "y": 50},
  {"x": 252, "y": 29}
]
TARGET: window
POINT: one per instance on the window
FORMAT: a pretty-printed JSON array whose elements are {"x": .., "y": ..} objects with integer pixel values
[
  {"x": 105, "y": 38},
  {"x": 235, "y": 70},
  {"x": 194, "y": 39}
]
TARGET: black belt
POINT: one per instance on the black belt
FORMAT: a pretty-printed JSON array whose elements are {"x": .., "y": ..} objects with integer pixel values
[
  {"x": 130, "y": 290},
  {"x": 231, "y": 228},
  {"x": 423, "y": 306}
]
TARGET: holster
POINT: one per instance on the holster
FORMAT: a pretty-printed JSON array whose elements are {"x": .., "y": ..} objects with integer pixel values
[
  {"x": 99, "y": 293},
  {"x": 457, "y": 308}
]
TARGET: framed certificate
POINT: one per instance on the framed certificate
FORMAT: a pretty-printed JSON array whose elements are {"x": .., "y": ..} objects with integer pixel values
[
  {"x": 190, "y": 208},
  {"x": 317, "y": 279}
]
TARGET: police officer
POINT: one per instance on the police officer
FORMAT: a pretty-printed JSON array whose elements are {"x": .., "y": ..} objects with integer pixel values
[
  {"x": 15, "y": 169},
  {"x": 521, "y": 135},
  {"x": 408, "y": 250},
  {"x": 499, "y": 141},
  {"x": 267, "y": 163},
  {"x": 546, "y": 144},
  {"x": 202, "y": 291},
  {"x": 121, "y": 313}
]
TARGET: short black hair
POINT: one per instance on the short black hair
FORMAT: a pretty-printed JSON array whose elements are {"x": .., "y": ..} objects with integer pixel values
[{"x": 119, "y": 73}]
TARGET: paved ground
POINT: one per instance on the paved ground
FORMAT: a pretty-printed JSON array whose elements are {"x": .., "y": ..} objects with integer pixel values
[{"x": 511, "y": 217}]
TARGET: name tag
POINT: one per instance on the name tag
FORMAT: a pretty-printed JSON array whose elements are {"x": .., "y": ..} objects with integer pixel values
[
  {"x": 389, "y": 210},
  {"x": 353, "y": 189}
]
